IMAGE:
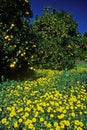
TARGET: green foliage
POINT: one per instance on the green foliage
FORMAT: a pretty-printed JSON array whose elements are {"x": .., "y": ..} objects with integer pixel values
[
  {"x": 58, "y": 35},
  {"x": 11, "y": 11},
  {"x": 83, "y": 47}
]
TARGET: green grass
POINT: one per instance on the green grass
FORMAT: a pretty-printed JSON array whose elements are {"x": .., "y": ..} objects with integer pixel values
[{"x": 80, "y": 63}]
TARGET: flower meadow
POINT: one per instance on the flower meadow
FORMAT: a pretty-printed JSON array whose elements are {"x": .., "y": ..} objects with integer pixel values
[{"x": 55, "y": 100}]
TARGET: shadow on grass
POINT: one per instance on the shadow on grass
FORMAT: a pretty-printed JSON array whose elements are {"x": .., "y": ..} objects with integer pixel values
[{"x": 21, "y": 75}]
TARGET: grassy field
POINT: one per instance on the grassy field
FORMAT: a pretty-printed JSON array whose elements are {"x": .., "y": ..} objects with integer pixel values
[{"x": 52, "y": 100}]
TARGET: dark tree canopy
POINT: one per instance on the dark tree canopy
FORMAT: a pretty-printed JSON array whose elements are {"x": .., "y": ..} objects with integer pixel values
[{"x": 12, "y": 10}]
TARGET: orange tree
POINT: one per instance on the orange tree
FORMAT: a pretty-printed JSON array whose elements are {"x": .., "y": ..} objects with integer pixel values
[
  {"x": 83, "y": 47},
  {"x": 16, "y": 36},
  {"x": 58, "y": 37}
]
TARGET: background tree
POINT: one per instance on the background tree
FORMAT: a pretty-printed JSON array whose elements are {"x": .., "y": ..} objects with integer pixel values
[
  {"x": 58, "y": 36},
  {"x": 83, "y": 47}
]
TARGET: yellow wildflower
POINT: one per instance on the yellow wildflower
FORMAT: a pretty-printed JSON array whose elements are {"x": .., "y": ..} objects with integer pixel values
[
  {"x": 13, "y": 113},
  {"x": 45, "y": 122},
  {"x": 55, "y": 124},
  {"x": 61, "y": 109},
  {"x": 79, "y": 128},
  {"x": 41, "y": 119},
  {"x": 67, "y": 123},
  {"x": 20, "y": 120},
  {"x": 58, "y": 128},
  {"x": 28, "y": 102},
  {"x": 61, "y": 116},
  {"x": 62, "y": 126},
  {"x": 81, "y": 124},
  {"x": 30, "y": 126},
  {"x": 15, "y": 124},
  {"x": 20, "y": 110},
  {"x": 76, "y": 122},
  {"x": 36, "y": 114},
  {"x": 73, "y": 114},
  {"x": 8, "y": 108},
  {"x": 49, "y": 109},
  {"x": 26, "y": 114},
  {"x": 27, "y": 109},
  {"x": 49, "y": 125},
  {"x": 51, "y": 115},
  {"x": 34, "y": 120},
  {"x": 28, "y": 121},
  {"x": 80, "y": 113},
  {"x": 4, "y": 121}
]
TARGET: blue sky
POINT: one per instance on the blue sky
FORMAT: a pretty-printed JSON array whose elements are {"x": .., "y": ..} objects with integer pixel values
[{"x": 78, "y": 8}]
